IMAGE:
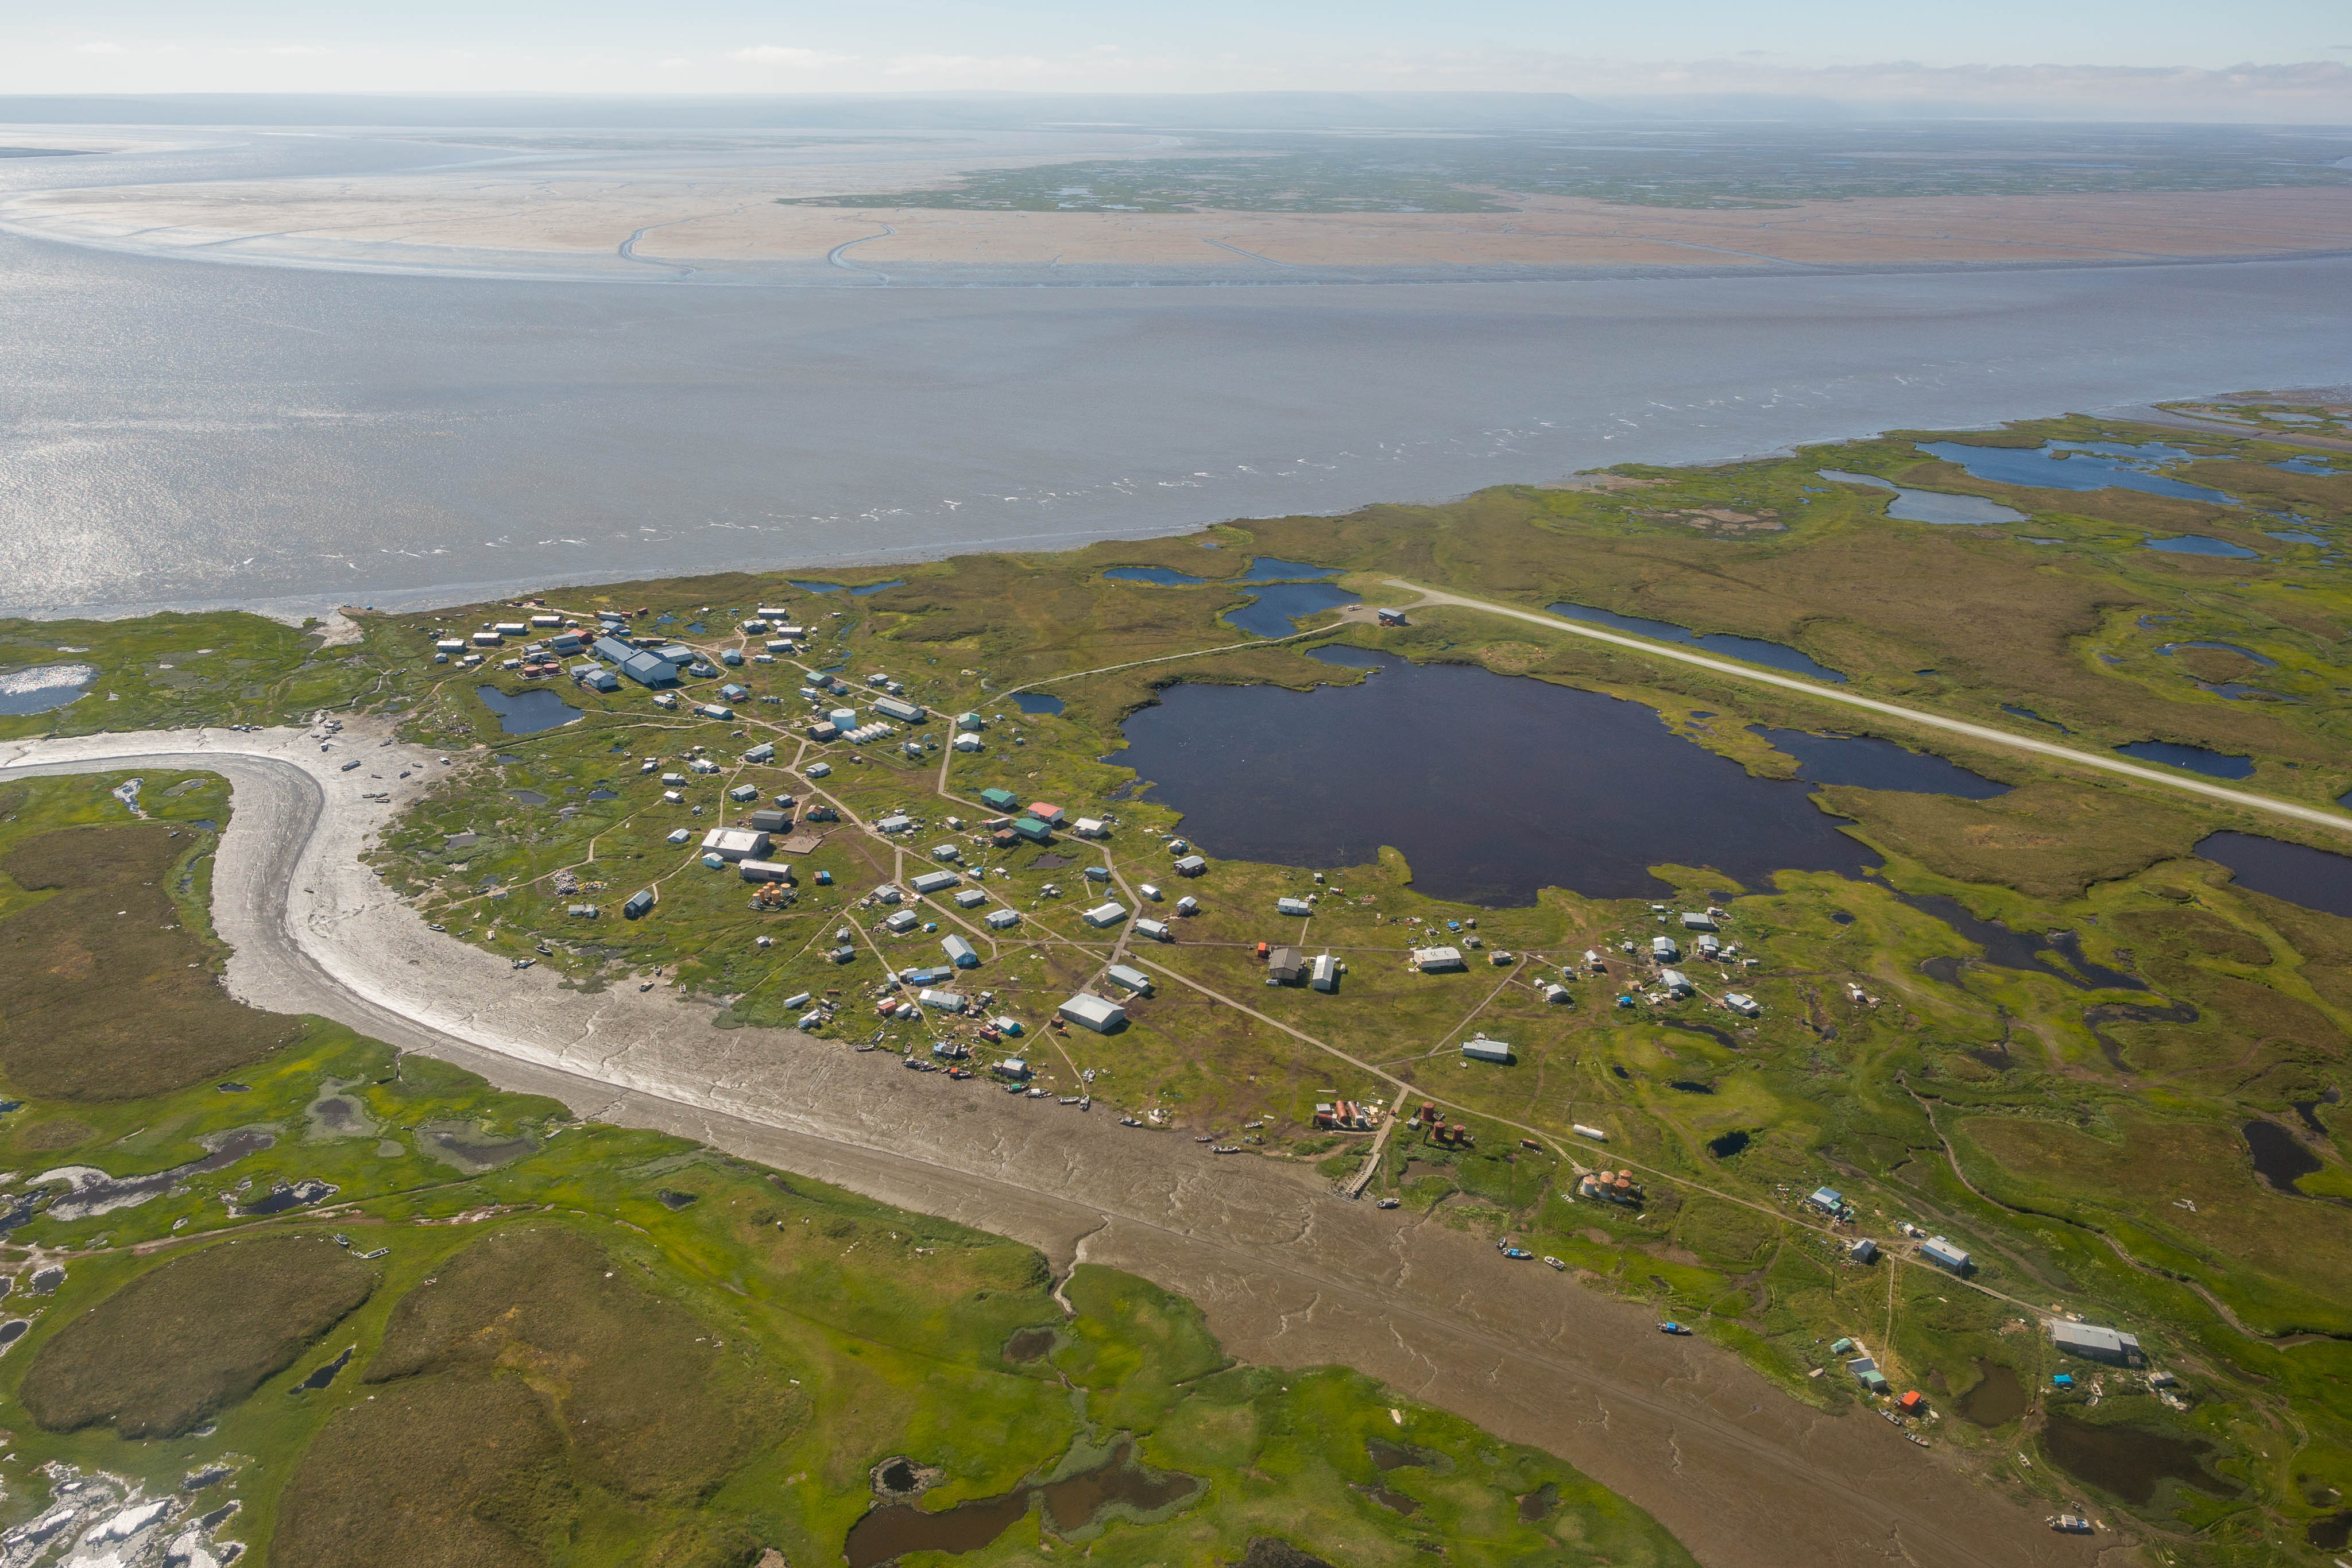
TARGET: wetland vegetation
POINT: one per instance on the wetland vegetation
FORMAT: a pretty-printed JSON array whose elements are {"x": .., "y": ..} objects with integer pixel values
[
  {"x": 588, "y": 1345},
  {"x": 2004, "y": 1002}
]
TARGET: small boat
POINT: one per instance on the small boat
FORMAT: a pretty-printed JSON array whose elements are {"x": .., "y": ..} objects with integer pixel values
[
  {"x": 1069, "y": 1099},
  {"x": 1673, "y": 1329},
  {"x": 1225, "y": 1149},
  {"x": 1516, "y": 1253},
  {"x": 1128, "y": 1121},
  {"x": 1388, "y": 1203},
  {"x": 1036, "y": 1094},
  {"x": 1086, "y": 1101},
  {"x": 1204, "y": 1138},
  {"x": 1553, "y": 1262},
  {"x": 2070, "y": 1524}
]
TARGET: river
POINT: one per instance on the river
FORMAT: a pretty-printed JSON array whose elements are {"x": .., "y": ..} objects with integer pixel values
[{"x": 182, "y": 434}]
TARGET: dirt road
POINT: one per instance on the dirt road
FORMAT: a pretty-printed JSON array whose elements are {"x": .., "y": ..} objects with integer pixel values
[{"x": 1288, "y": 1273}]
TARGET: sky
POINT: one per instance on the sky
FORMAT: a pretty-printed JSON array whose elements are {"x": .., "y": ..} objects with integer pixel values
[{"x": 2291, "y": 59}]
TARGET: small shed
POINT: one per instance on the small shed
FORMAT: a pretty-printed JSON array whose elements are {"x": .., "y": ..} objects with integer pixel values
[
  {"x": 1478, "y": 1048},
  {"x": 763, "y": 871},
  {"x": 1297, "y": 906},
  {"x": 1127, "y": 975},
  {"x": 1191, "y": 865},
  {"x": 1323, "y": 974},
  {"x": 640, "y": 905},
  {"x": 1864, "y": 1252}
]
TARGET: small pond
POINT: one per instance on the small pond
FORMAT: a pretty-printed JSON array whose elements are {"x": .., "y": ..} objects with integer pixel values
[
  {"x": 2077, "y": 465},
  {"x": 1755, "y": 650},
  {"x": 2016, "y": 711},
  {"x": 1931, "y": 505},
  {"x": 44, "y": 687},
  {"x": 2128, "y": 1461},
  {"x": 1729, "y": 1144},
  {"x": 1272, "y": 611},
  {"x": 836, "y": 588},
  {"x": 2011, "y": 949},
  {"x": 1867, "y": 762},
  {"x": 1117, "y": 1486},
  {"x": 1036, "y": 703},
  {"x": 90, "y": 1192},
  {"x": 1576, "y": 789},
  {"x": 2222, "y": 647},
  {"x": 2196, "y": 759},
  {"x": 2315, "y": 878},
  {"x": 527, "y": 713},
  {"x": 2201, "y": 544},
  {"x": 2298, "y": 536},
  {"x": 1997, "y": 1399},
  {"x": 2279, "y": 1158},
  {"x": 527, "y": 797},
  {"x": 325, "y": 1375},
  {"x": 1276, "y": 610}
]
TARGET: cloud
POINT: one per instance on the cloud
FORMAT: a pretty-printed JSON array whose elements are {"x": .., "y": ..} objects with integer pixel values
[
  {"x": 295, "y": 49},
  {"x": 789, "y": 58},
  {"x": 101, "y": 48}
]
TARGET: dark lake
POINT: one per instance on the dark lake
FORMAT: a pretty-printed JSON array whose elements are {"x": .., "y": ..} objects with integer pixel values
[
  {"x": 1755, "y": 650},
  {"x": 2077, "y": 465},
  {"x": 1493, "y": 785},
  {"x": 527, "y": 713},
  {"x": 2196, "y": 759},
  {"x": 2129, "y": 1461},
  {"x": 1272, "y": 611},
  {"x": 2315, "y": 878},
  {"x": 2279, "y": 1158},
  {"x": 836, "y": 588},
  {"x": 2012, "y": 949},
  {"x": 1036, "y": 703},
  {"x": 1867, "y": 762},
  {"x": 1117, "y": 1485}
]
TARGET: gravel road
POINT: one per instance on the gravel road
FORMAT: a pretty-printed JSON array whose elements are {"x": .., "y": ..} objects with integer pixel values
[{"x": 1288, "y": 1273}]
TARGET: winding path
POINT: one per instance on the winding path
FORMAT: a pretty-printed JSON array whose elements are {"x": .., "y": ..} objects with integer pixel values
[{"x": 1288, "y": 1273}]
